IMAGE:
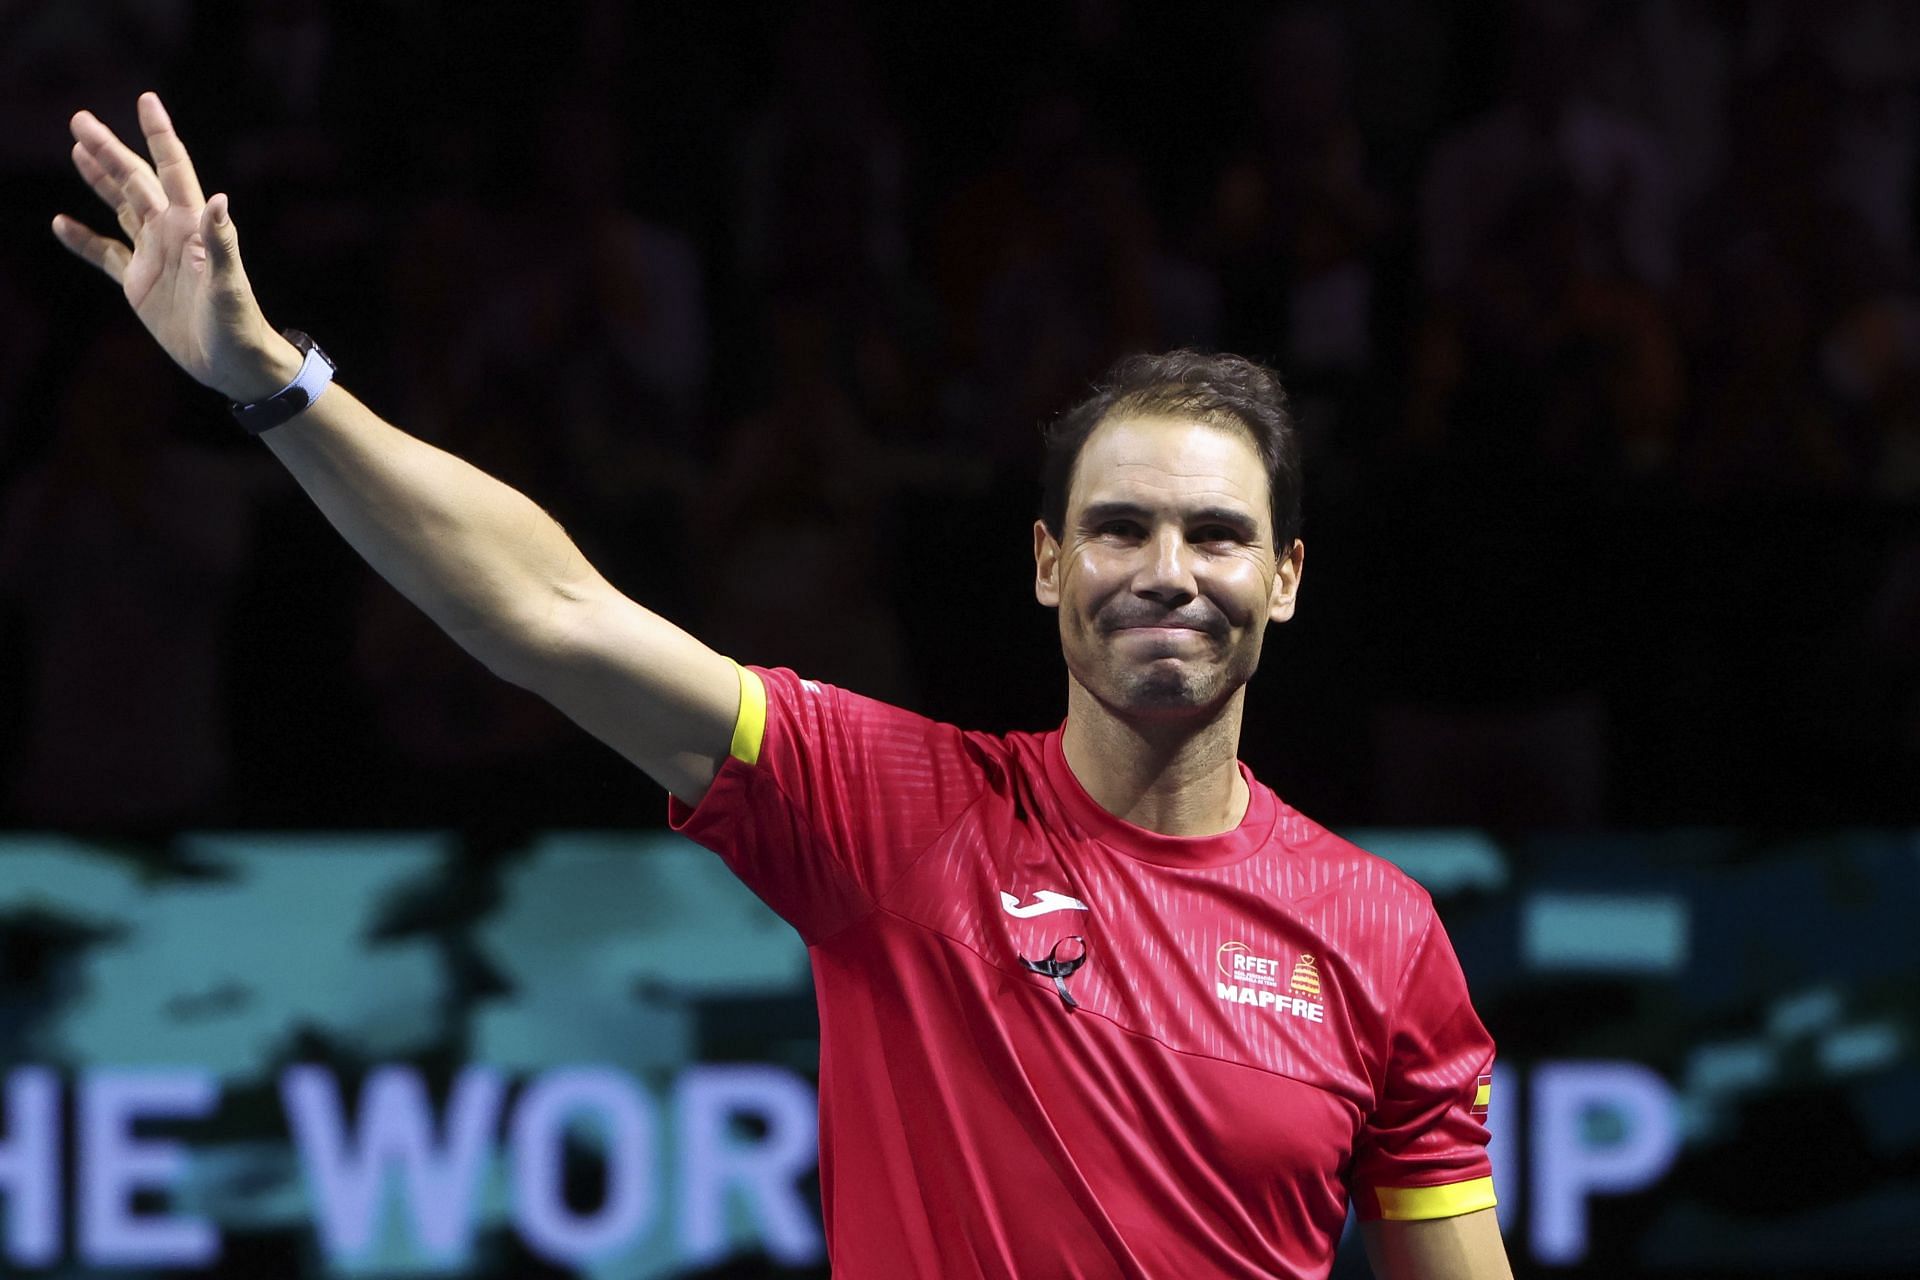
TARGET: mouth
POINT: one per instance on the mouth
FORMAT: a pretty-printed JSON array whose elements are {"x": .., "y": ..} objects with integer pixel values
[{"x": 1164, "y": 633}]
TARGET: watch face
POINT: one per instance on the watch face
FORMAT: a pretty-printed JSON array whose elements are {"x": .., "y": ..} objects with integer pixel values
[{"x": 307, "y": 345}]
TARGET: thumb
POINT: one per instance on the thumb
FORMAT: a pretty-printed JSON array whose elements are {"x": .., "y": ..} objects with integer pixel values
[{"x": 218, "y": 233}]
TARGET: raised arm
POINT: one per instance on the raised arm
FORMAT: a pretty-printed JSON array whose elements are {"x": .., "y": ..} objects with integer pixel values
[{"x": 486, "y": 563}]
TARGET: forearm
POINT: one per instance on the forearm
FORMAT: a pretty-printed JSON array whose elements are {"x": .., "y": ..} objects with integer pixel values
[{"x": 477, "y": 556}]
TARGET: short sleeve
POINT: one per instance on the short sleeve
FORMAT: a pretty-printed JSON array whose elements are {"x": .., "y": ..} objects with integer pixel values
[
  {"x": 827, "y": 795},
  {"x": 1422, "y": 1152}
]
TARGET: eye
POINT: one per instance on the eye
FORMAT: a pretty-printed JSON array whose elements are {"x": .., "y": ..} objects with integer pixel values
[
  {"x": 1216, "y": 533},
  {"x": 1119, "y": 529}
]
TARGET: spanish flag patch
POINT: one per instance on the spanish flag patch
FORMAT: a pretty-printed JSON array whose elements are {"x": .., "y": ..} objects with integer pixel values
[{"x": 1482, "y": 1096}]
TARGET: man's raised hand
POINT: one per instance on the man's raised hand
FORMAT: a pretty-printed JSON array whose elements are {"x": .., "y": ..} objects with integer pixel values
[{"x": 182, "y": 273}]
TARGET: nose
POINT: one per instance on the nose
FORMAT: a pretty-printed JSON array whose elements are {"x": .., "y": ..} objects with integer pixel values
[{"x": 1166, "y": 569}]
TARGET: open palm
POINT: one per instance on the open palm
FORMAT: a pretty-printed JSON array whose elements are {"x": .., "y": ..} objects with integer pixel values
[{"x": 181, "y": 272}]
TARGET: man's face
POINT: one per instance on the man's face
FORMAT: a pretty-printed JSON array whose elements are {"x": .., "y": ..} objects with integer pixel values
[{"x": 1166, "y": 574}]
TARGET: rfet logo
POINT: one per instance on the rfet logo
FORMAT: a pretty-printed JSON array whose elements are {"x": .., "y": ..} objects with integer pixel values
[{"x": 1250, "y": 978}]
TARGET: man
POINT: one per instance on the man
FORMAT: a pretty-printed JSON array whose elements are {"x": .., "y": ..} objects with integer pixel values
[{"x": 1094, "y": 1003}]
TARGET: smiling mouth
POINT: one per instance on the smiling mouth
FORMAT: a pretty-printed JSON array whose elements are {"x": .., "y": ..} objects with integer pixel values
[{"x": 1161, "y": 631}]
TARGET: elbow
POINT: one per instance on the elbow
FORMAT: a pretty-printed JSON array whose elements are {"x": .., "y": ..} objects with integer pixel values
[
  {"x": 517, "y": 656},
  {"x": 507, "y": 655},
  {"x": 526, "y": 650}
]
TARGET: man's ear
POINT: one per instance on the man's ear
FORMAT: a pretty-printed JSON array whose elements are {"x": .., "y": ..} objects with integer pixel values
[
  {"x": 1046, "y": 566},
  {"x": 1286, "y": 582}
]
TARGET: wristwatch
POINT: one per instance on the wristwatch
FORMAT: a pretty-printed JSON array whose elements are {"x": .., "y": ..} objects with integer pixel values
[{"x": 316, "y": 371}]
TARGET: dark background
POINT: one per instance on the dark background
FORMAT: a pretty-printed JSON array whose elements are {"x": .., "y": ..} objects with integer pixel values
[{"x": 1598, "y": 319}]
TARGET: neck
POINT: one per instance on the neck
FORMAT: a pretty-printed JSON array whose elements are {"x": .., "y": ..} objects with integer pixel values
[{"x": 1174, "y": 777}]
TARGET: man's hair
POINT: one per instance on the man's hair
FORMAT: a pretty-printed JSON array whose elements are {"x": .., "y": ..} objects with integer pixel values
[{"x": 1221, "y": 390}]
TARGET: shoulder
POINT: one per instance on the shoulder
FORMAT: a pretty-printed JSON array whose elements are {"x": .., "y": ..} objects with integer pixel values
[
  {"x": 1375, "y": 913},
  {"x": 1337, "y": 867}
]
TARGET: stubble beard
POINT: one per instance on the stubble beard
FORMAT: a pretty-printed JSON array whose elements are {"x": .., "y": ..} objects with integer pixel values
[{"x": 1166, "y": 688}]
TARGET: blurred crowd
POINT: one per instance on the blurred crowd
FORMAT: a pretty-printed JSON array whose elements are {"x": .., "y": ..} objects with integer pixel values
[{"x": 1599, "y": 318}]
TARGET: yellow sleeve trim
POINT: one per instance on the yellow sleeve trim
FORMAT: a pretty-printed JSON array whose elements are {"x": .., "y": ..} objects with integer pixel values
[
  {"x": 750, "y": 726},
  {"x": 1449, "y": 1200}
]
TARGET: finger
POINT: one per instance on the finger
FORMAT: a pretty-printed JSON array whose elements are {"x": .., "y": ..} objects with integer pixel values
[
  {"x": 170, "y": 162},
  {"x": 106, "y": 188},
  {"x": 127, "y": 171},
  {"x": 102, "y": 251},
  {"x": 96, "y": 176}
]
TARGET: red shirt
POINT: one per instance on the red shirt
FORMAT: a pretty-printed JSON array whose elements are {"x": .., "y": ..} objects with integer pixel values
[{"x": 1265, "y": 1022}]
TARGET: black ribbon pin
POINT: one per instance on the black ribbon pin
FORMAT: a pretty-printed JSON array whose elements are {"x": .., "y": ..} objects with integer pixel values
[{"x": 1058, "y": 969}]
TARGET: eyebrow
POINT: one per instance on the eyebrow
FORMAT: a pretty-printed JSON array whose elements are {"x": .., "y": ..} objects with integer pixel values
[{"x": 1100, "y": 512}]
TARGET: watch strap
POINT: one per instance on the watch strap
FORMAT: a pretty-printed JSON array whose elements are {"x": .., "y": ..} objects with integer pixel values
[{"x": 316, "y": 371}]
